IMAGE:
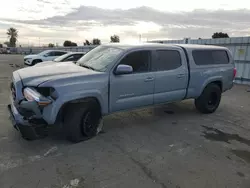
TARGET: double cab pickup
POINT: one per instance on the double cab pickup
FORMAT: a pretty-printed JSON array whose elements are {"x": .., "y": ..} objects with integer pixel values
[{"x": 117, "y": 77}]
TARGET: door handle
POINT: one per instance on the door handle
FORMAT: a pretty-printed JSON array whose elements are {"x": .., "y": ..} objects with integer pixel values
[
  {"x": 149, "y": 79},
  {"x": 180, "y": 75}
]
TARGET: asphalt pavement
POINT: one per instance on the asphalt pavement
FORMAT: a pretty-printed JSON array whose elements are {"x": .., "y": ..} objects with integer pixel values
[{"x": 169, "y": 146}]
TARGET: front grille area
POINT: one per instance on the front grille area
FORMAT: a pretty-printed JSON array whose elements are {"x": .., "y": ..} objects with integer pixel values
[
  {"x": 25, "y": 112},
  {"x": 22, "y": 111},
  {"x": 13, "y": 90}
]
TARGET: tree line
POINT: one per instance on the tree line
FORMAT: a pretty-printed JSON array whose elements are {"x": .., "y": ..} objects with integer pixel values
[
  {"x": 12, "y": 34},
  {"x": 95, "y": 41}
]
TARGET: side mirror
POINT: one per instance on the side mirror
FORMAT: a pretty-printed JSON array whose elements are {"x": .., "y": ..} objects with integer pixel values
[
  {"x": 123, "y": 69},
  {"x": 45, "y": 55}
]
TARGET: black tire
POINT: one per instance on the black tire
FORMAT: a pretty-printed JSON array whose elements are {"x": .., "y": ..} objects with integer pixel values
[
  {"x": 209, "y": 100},
  {"x": 35, "y": 61},
  {"x": 81, "y": 121}
]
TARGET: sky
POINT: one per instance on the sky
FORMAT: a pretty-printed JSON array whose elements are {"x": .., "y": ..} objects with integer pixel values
[{"x": 54, "y": 21}]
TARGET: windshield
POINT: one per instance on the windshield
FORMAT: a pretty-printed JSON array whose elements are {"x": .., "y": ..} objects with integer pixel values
[
  {"x": 99, "y": 58},
  {"x": 62, "y": 57}
]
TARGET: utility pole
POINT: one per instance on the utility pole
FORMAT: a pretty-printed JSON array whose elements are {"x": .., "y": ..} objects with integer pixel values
[{"x": 140, "y": 38}]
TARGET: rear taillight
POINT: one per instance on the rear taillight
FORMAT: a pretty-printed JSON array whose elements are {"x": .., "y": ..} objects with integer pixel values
[{"x": 235, "y": 71}]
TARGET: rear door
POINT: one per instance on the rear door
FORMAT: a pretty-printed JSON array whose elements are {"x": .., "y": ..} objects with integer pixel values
[
  {"x": 171, "y": 75},
  {"x": 133, "y": 90}
]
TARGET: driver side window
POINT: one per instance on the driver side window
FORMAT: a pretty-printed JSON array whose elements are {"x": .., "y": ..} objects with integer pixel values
[
  {"x": 139, "y": 60},
  {"x": 50, "y": 54}
]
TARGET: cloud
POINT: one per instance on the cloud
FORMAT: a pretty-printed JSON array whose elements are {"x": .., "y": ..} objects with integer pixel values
[
  {"x": 89, "y": 21},
  {"x": 44, "y": 1},
  {"x": 121, "y": 17}
]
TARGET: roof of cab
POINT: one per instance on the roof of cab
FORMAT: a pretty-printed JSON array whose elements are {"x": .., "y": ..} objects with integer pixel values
[
  {"x": 136, "y": 45},
  {"x": 159, "y": 45},
  {"x": 199, "y": 46}
]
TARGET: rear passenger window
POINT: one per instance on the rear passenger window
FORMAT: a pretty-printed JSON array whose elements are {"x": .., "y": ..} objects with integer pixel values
[
  {"x": 59, "y": 53},
  {"x": 210, "y": 57},
  {"x": 167, "y": 60},
  {"x": 52, "y": 53}
]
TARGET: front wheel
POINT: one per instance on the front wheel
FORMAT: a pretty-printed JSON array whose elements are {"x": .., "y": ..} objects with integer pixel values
[
  {"x": 81, "y": 121},
  {"x": 36, "y": 61},
  {"x": 209, "y": 100}
]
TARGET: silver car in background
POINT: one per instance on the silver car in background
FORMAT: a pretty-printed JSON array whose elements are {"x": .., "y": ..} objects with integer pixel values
[{"x": 68, "y": 57}]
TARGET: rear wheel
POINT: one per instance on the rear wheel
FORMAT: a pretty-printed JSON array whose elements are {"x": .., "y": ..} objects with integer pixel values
[
  {"x": 35, "y": 61},
  {"x": 209, "y": 100},
  {"x": 81, "y": 121}
]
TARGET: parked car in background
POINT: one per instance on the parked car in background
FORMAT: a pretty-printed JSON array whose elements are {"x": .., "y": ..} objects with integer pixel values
[
  {"x": 69, "y": 57},
  {"x": 5, "y": 50},
  {"x": 117, "y": 77},
  {"x": 8, "y": 51},
  {"x": 46, "y": 55}
]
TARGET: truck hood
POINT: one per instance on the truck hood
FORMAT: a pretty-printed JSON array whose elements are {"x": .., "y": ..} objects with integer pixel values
[
  {"x": 34, "y": 76},
  {"x": 46, "y": 63}
]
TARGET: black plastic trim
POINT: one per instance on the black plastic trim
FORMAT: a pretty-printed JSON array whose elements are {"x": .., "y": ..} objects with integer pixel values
[{"x": 188, "y": 65}]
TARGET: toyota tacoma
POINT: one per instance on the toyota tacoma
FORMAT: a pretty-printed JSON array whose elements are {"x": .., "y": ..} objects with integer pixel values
[{"x": 117, "y": 77}]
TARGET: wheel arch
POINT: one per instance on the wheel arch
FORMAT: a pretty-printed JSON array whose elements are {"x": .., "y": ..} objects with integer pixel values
[
  {"x": 215, "y": 80},
  {"x": 36, "y": 60},
  {"x": 84, "y": 100}
]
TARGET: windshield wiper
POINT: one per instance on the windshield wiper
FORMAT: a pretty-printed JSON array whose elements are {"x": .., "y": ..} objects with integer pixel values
[{"x": 86, "y": 66}]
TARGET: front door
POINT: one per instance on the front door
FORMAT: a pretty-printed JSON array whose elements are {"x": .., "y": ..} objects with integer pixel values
[{"x": 133, "y": 90}]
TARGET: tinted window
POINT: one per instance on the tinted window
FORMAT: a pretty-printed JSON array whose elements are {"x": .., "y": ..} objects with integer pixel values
[
  {"x": 61, "y": 58},
  {"x": 74, "y": 57},
  {"x": 138, "y": 60},
  {"x": 167, "y": 60},
  {"x": 60, "y": 53},
  {"x": 210, "y": 57},
  {"x": 51, "y": 53}
]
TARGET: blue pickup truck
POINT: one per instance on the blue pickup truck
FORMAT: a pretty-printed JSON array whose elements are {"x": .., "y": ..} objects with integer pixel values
[{"x": 117, "y": 77}]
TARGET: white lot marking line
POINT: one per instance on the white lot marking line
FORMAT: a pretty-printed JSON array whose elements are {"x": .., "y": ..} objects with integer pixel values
[
  {"x": 73, "y": 183},
  {"x": 66, "y": 186},
  {"x": 3, "y": 138},
  {"x": 51, "y": 150},
  {"x": 7, "y": 163},
  {"x": 34, "y": 158}
]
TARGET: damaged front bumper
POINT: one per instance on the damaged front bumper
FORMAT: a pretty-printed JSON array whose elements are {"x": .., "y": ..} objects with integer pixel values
[{"x": 30, "y": 128}]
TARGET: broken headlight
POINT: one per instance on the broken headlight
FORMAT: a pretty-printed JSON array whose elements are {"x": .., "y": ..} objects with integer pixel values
[
  {"x": 41, "y": 96},
  {"x": 48, "y": 92}
]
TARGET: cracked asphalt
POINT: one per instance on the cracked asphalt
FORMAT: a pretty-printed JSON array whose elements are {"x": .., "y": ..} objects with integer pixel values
[{"x": 169, "y": 146}]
